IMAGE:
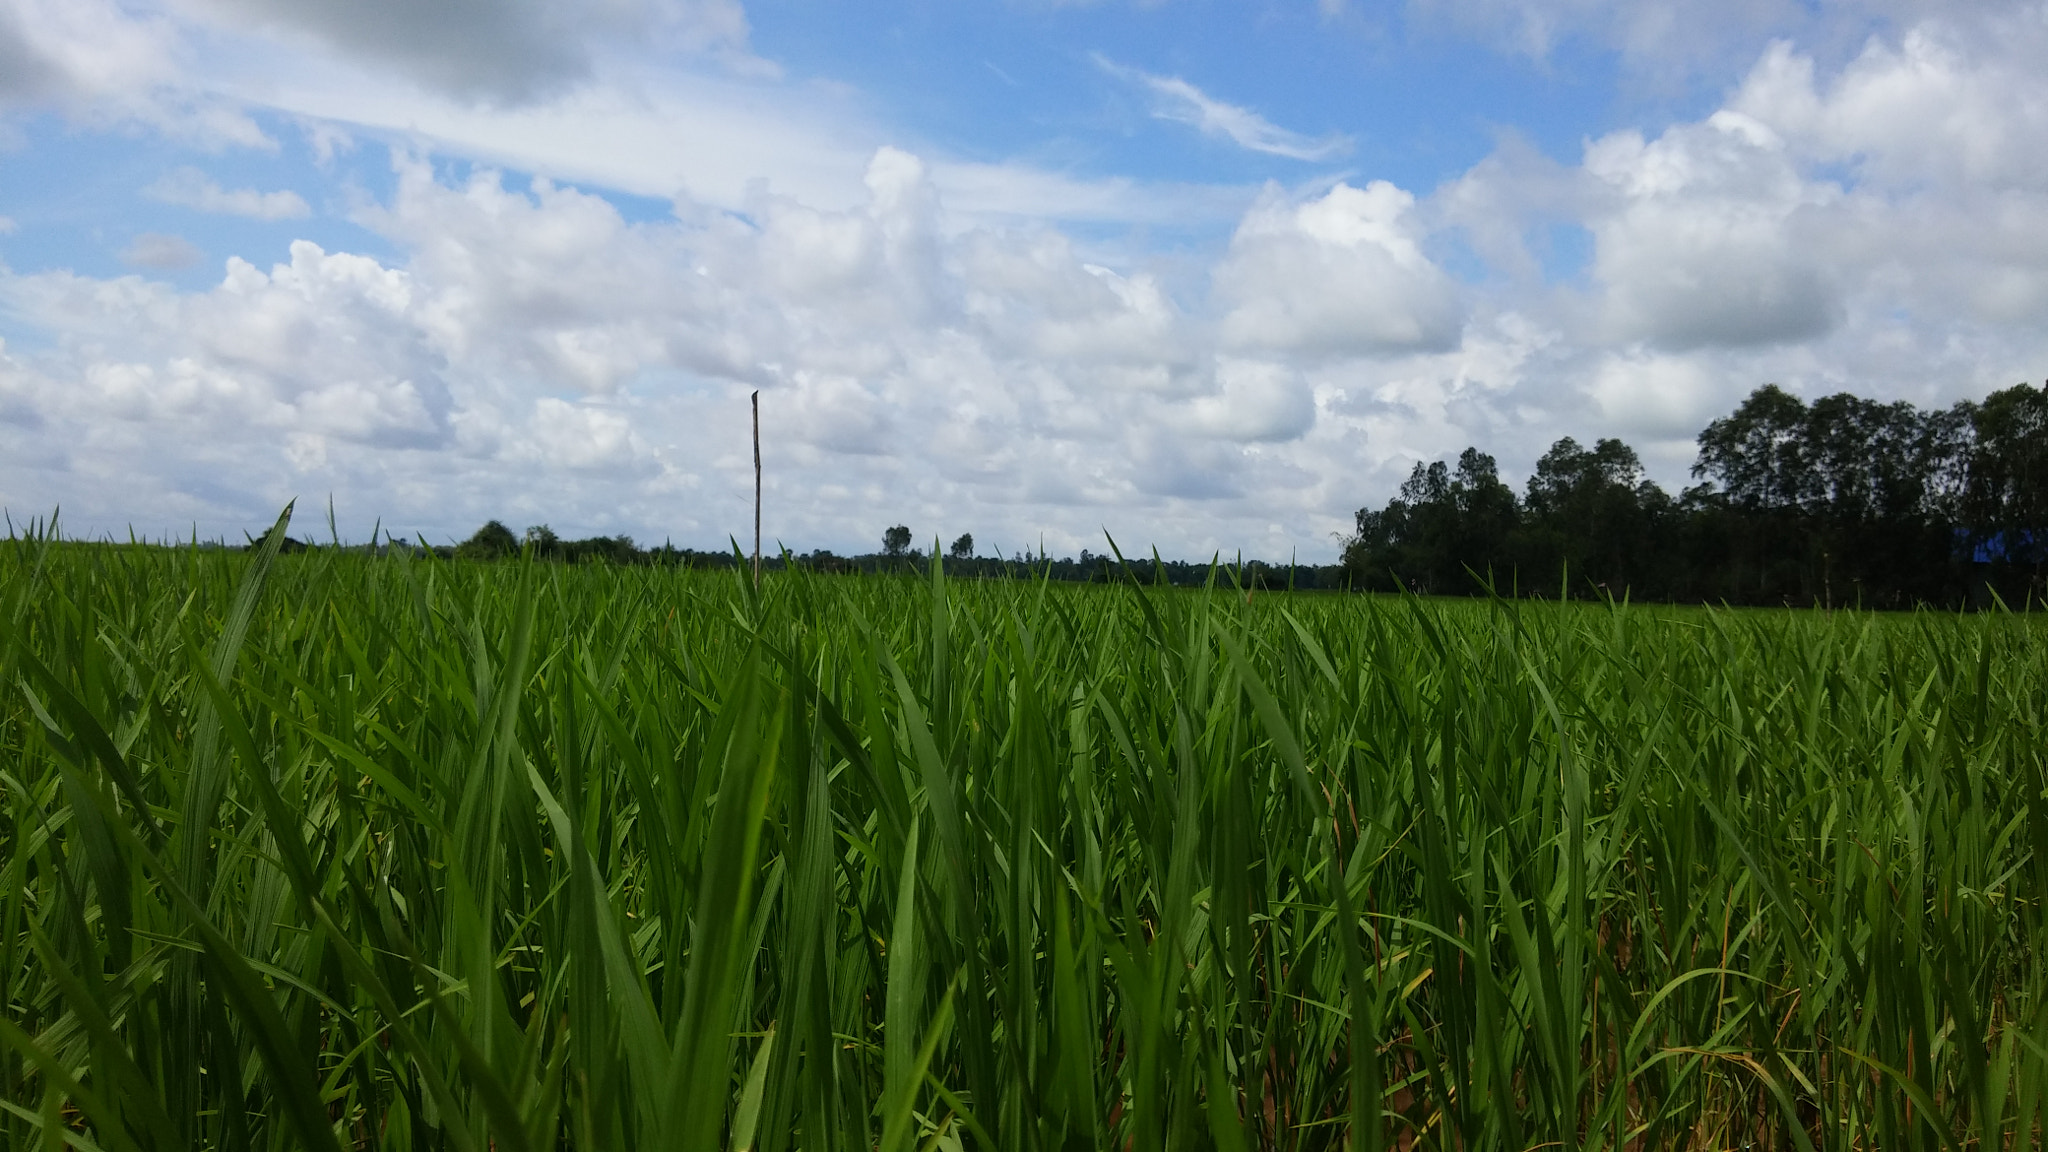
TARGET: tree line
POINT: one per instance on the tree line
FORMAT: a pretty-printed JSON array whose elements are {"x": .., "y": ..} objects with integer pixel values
[
  {"x": 497, "y": 541},
  {"x": 1842, "y": 501}
]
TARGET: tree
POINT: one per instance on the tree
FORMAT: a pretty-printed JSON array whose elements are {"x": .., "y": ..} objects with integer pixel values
[
  {"x": 1487, "y": 517},
  {"x": 896, "y": 541},
  {"x": 1864, "y": 460},
  {"x": 1569, "y": 473},
  {"x": 1846, "y": 499},
  {"x": 1589, "y": 517},
  {"x": 823, "y": 560},
  {"x": 1754, "y": 535},
  {"x": 963, "y": 548},
  {"x": 614, "y": 549},
  {"x": 2006, "y": 499},
  {"x": 1754, "y": 455},
  {"x": 490, "y": 542},
  {"x": 1879, "y": 498},
  {"x": 1443, "y": 527},
  {"x": 1841, "y": 501},
  {"x": 542, "y": 540}
]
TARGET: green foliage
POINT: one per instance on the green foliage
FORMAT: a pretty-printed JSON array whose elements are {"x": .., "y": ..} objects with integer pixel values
[
  {"x": 2007, "y": 491},
  {"x": 1844, "y": 500},
  {"x": 1445, "y": 528},
  {"x": 1757, "y": 455},
  {"x": 492, "y": 541},
  {"x": 388, "y": 852},
  {"x": 1590, "y": 511}
]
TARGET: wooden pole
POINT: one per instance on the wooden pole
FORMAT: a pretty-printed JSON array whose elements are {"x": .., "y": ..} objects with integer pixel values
[{"x": 757, "y": 489}]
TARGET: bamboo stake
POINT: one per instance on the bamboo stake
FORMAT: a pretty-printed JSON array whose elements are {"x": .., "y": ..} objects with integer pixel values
[{"x": 757, "y": 489}]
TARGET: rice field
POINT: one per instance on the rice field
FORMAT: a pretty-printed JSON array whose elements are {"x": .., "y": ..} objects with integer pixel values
[{"x": 333, "y": 850}]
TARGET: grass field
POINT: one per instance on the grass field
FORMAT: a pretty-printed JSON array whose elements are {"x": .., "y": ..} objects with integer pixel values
[{"x": 333, "y": 851}]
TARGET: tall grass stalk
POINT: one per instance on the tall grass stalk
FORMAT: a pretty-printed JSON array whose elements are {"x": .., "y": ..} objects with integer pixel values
[{"x": 337, "y": 851}]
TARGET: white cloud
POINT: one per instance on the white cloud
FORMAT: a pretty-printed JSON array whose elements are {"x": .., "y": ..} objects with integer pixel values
[
  {"x": 1343, "y": 274},
  {"x": 1924, "y": 112},
  {"x": 161, "y": 252},
  {"x": 585, "y": 438},
  {"x": 318, "y": 344},
  {"x": 652, "y": 97},
  {"x": 191, "y": 188},
  {"x": 1501, "y": 204},
  {"x": 936, "y": 344},
  {"x": 1017, "y": 191},
  {"x": 104, "y": 64},
  {"x": 8, "y": 226},
  {"x": 1658, "y": 394},
  {"x": 327, "y": 141},
  {"x": 1716, "y": 237},
  {"x": 69, "y": 49},
  {"x": 1255, "y": 401},
  {"x": 709, "y": 139},
  {"x": 1038, "y": 297},
  {"x": 1893, "y": 202},
  {"x": 1180, "y": 101},
  {"x": 537, "y": 354}
]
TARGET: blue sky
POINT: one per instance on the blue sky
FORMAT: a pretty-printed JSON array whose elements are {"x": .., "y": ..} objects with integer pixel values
[
  {"x": 997, "y": 82},
  {"x": 1207, "y": 275}
]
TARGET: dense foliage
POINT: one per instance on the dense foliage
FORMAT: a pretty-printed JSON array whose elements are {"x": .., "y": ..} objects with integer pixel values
[
  {"x": 1843, "y": 501},
  {"x": 336, "y": 850}
]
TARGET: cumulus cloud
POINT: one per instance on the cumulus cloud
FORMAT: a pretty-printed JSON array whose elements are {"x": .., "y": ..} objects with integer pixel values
[
  {"x": 16, "y": 394},
  {"x": 1037, "y": 296},
  {"x": 936, "y": 343},
  {"x": 1716, "y": 237},
  {"x": 318, "y": 344},
  {"x": 191, "y": 188},
  {"x": 1177, "y": 100},
  {"x": 102, "y": 63},
  {"x": 71, "y": 49},
  {"x": 535, "y": 346},
  {"x": 1881, "y": 206},
  {"x": 1872, "y": 225},
  {"x": 1662, "y": 395},
  {"x": 1925, "y": 111},
  {"x": 1341, "y": 274},
  {"x": 585, "y": 438},
  {"x": 536, "y": 336},
  {"x": 1254, "y": 401}
]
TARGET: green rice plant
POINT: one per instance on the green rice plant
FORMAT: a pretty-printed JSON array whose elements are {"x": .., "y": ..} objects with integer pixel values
[{"x": 336, "y": 850}]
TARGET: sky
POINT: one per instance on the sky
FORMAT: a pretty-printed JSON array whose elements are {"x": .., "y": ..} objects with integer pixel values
[{"x": 1200, "y": 276}]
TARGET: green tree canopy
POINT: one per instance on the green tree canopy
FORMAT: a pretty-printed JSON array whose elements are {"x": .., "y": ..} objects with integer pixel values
[
  {"x": 1841, "y": 500},
  {"x": 490, "y": 541}
]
